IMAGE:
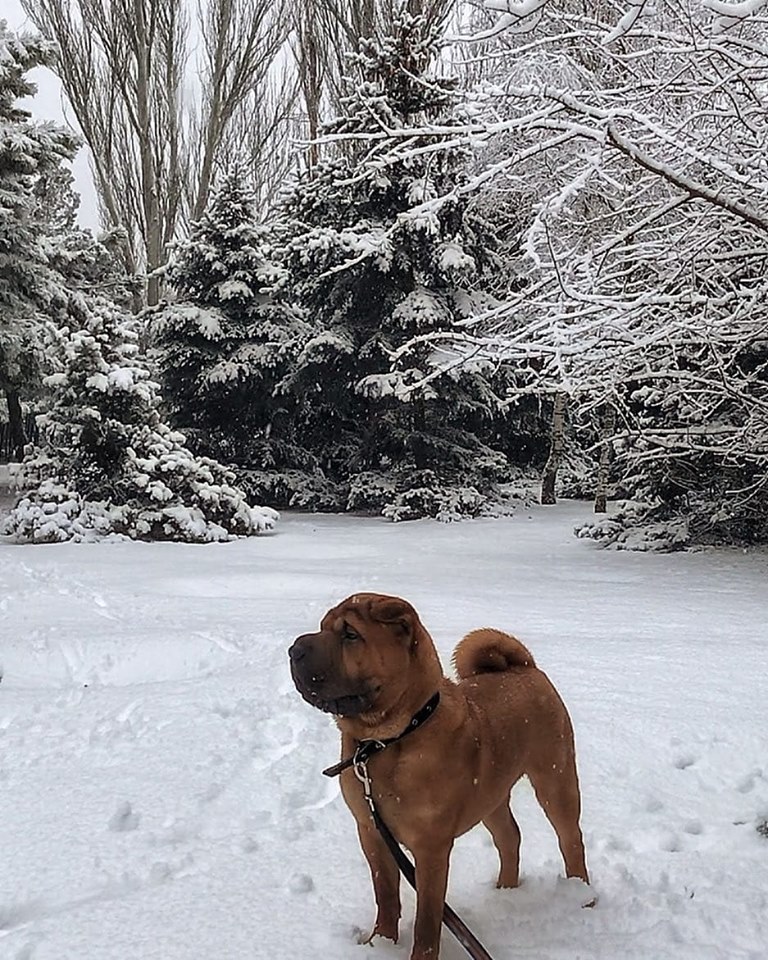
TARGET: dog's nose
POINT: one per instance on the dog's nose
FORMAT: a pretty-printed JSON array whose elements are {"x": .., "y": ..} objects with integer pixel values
[{"x": 298, "y": 650}]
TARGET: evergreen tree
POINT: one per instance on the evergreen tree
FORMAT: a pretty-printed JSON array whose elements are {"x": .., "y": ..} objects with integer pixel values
[
  {"x": 108, "y": 463},
  {"x": 83, "y": 262},
  {"x": 225, "y": 346},
  {"x": 29, "y": 293},
  {"x": 385, "y": 249}
]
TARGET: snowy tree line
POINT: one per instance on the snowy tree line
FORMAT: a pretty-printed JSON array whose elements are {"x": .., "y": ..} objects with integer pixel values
[
  {"x": 398, "y": 254},
  {"x": 106, "y": 462},
  {"x": 646, "y": 302}
]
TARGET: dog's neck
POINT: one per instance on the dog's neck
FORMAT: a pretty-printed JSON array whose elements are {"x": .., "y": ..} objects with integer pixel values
[{"x": 391, "y": 720}]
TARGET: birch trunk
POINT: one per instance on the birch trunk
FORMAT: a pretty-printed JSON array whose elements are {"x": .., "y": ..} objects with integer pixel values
[
  {"x": 604, "y": 464},
  {"x": 549, "y": 474}
]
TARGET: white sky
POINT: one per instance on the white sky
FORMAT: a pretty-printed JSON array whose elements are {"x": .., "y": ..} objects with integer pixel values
[{"x": 50, "y": 104}]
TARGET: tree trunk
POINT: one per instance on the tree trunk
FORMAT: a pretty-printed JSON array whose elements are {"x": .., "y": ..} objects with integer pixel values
[
  {"x": 149, "y": 196},
  {"x": 418, "y": 411},
  {"x": 16, "y": 424},
  {"x": 549, "y": 475},
  {"x": 606, "y": 455},
  {"x": 311, "y": 54}
]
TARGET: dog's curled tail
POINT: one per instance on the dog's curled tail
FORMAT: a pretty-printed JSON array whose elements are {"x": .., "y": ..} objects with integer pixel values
[{"x": 490, "y": 651}]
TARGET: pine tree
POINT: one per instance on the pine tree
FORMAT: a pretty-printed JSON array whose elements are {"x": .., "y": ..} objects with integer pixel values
[
  {"x": 29, "y": 293},
  {"x": 108, "y": 463},
  {"x": 87, "y": 263},
  {"x": 385, "y": 249},
  {"x": 225, "y": 346}
]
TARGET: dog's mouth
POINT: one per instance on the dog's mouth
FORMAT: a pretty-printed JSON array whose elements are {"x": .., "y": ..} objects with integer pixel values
[
  {"x": 345, "y": 705},
  {"x": 351, "y": 705}
]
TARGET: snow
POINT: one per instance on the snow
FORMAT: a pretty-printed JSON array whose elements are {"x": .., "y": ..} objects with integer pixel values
[
  {"x": 516, "y": 8},
  {"x": 231, "y": 289},
  {"x": 162, "y": 794},
  {"x": 97, "y": 381},
  {"x": 123, "y": 378},
  {"x": 734, "y": 10},
  {"x": 626, "y": 22},
  {"x": 206, "y": 322},
  {"x": 454, "y": 257}
]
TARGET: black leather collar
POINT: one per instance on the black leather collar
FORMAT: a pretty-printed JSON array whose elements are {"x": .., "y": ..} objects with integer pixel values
[{"x": 367, "y": 748}]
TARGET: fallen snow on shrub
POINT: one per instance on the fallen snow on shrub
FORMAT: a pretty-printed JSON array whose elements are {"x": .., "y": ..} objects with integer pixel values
[{"x": 108, "y": 464}]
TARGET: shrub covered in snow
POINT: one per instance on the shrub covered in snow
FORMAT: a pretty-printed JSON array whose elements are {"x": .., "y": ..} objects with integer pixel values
[
  {"x": 696, "y": 518},
  {"x": 107, "y": 463},
  {"x": 301, "y": 489},
  {"x": 693, "y": 477},
  {"x": 426, "y": 497},
  {"x": 635, "y": 526},
  {"x": 410, "y": 495}
]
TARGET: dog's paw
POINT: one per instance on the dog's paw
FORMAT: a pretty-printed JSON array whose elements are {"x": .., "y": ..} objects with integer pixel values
[
  {"x": 378, "y": 931},
  {"x": 578, "y": 893}
]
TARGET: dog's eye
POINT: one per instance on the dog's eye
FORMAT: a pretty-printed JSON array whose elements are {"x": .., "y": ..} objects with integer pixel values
[{"x": 348, "y": 635}]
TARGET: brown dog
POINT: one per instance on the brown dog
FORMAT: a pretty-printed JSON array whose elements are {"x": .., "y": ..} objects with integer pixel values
[{"x": 374, "y": 666}]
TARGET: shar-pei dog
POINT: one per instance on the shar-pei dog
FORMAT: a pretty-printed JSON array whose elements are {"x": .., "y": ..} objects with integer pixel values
[{"x": 452, "y": 750}]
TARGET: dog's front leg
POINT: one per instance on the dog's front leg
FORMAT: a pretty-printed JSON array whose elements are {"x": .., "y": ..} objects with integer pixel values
[
  {"x": 431, "y": 882},
  {"x": 386, "y": 882}
]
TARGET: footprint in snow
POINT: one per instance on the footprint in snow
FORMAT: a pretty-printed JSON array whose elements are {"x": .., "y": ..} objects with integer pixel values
[
  {"x": 671, "y": 843},
  {"x": 617, "y": 843},
  {"x": 164, "y": 871},
  {"x": 301, "y": 883},
  {"x": 684, "y": 760},
  {"x": 747, "y": 784},
  {"x": 212, "y": 792},
  {"x": 124, "y": 819}
]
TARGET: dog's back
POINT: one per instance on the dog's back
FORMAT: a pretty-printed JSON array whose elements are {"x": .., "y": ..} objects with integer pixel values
[{"x": 523, "y": 712}]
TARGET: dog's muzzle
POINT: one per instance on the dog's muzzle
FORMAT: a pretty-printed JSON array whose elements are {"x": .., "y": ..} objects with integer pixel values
[{"x": 310, "y": 673}]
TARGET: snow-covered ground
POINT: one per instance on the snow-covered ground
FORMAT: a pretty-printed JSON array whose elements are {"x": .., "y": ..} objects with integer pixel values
[{"x": 160, "y": 785}]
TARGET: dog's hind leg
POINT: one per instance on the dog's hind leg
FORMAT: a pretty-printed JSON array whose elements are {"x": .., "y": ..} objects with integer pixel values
[
  {"x": 503, "y": 827},
  {"x": 557, "y": 790},
  {"x": 386, "y": 882}
]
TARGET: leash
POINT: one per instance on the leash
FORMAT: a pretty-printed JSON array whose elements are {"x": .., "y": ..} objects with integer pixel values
[
  {"x": 359, "y": 762},
  {"x": 450, "y": 918}
]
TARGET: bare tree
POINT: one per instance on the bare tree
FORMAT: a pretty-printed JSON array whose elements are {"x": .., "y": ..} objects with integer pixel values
[
  {"x": 315, "y": 51},
  {"x": 262, "y": 135},
  {"x": 245, "y": 98},
  {"x": 638, "y": 146},
  {"x": 126, "y": 67}
]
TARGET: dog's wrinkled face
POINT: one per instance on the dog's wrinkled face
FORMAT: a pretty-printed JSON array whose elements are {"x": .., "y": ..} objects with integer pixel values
[{"x": 359, "y": 660}]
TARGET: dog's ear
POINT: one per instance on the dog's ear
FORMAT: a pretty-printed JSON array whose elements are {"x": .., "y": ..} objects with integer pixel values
[{"x": 395, "y": 612}]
